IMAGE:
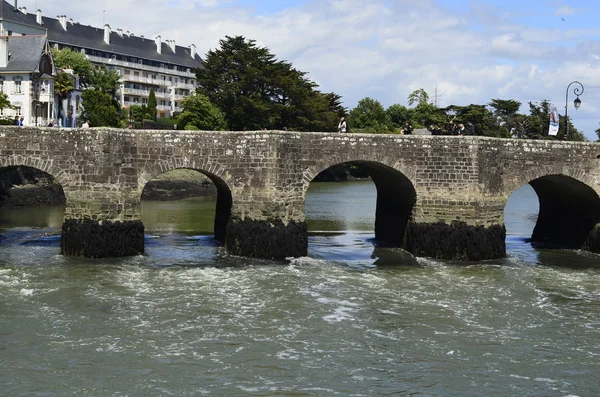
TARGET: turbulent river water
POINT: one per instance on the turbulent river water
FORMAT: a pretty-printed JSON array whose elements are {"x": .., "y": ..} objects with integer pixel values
[{"x": 350, "y": 319}]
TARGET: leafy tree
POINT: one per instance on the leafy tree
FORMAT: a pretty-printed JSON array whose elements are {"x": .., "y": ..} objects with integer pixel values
[
  {"x": 399, "y": 114},
  {"x": 137, "y": 114},
  {"x": 152, "y": 104},
  {"x": 598, "y": 134},
  {"x": 67, "y": 59},
  {"x": 369, "y": 115},
  {"x": 99, "y": 109},
  {"x": 254, "y": 90},
  {"x": 505, "y": 107},
  {"x": 200, "y": 114},
  {"x": 505, "y": 111},
  {"x": 63, "y": 85},
  {"x": 4, "y": 101},
  {"x": 419, "y": 97},
  {"x": 105, "y": 80}
]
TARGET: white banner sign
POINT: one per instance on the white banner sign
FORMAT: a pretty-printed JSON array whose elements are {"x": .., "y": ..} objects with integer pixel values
[{"x": 554, "y": 118}]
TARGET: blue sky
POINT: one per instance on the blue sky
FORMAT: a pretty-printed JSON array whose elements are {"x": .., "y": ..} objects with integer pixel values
[{"x": 469, "y": 51}]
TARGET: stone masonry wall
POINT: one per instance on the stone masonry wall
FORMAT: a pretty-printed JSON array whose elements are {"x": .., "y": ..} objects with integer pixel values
[{"x": 466, "y": 179}]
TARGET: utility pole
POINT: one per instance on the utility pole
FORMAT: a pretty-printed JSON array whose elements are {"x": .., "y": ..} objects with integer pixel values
[{"x": 436, "y": 97}]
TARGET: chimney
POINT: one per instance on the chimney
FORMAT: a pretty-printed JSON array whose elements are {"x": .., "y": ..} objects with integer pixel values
[
  {"x": 38, "y": 17},
  {"x": 23, "y": 10},
  {"x": 3, "y": 51},
  {"x": 71, "y": 21},
  {"x": 158, "y": 45},
  {"x": 63, "y": 21},
  {"x": 120, "y": 32},
  {"x": 172, "y": 45},
  {"x": 193, "y": 51},
  {"x": 107, "y": 34},
  {"x": 16, "y": 5}
]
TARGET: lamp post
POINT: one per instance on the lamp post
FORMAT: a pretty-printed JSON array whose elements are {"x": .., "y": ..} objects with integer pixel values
[{"x": 577, "y": 102}]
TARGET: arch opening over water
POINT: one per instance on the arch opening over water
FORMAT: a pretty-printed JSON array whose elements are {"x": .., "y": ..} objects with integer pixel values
[
  {"x": 569, "y": 211},
  {"x": 395, "y": 197},
  {"x": 30, "y": 197},
  {"x": 561, "y": 215},
  {"x": 210, "y": 213}
]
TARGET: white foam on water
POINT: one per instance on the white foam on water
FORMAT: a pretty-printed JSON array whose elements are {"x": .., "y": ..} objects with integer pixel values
[{"x": 26, "y": 292}]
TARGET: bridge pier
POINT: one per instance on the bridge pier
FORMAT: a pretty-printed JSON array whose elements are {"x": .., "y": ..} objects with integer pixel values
[
  {"x": 269, "y": 239},
  {"x": 456, "y": 241},
  {"x": 458, "y": 229},
  {"x": 102, "y": 239}
]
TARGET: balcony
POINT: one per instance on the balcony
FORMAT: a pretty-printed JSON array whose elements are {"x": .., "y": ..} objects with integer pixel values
[
  {"x": 145, "y": 93},
  {"x": 146, "y": 80},
  {"x": 138, "y": 66},
  {"x": 185, "y": 86}
]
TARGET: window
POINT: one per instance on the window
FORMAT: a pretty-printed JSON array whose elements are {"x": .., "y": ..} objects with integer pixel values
[
  {"x": 17, "y": 81},
  {"x": 127, "y": 72}
]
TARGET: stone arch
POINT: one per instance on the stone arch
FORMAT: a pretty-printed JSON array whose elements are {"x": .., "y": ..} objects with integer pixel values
[
  {"x": 396, "y": 194},
  {"x": 214, "y": 171},
  {"x": 569, "y": 208},
  {"x": 522, "y": 177},
  {"x": 44, "y": 165}
]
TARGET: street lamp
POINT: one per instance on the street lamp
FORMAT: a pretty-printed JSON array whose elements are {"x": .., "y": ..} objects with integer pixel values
[{"x": 577, "y": 102}]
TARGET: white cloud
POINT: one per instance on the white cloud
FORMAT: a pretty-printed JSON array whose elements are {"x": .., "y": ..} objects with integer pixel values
[{"x": 383, "y": 49}]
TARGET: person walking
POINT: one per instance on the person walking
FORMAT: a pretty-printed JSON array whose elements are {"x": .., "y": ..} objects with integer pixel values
[
  {"x": 21, "y": 121},
  {"x": 407, "y": 129},
  {"x": 471, "y": 128},
  {"x": 342, "y": 126}
]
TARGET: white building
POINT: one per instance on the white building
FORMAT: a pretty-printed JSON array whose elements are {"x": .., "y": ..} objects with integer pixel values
[
  {"x": 143, "y": 63},
  {"x": 27, "y": 78}
]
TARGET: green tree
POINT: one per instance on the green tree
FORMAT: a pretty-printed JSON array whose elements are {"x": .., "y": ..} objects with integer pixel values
[
  {"x": 418, "y": 97},
  {"x": 4, "y": 101},
  {"x": 399, "y": 114},
  {"x": 76, "y": 61},
  {"x": 505, "y": 111},
  {"x": 598, "y": 134},
  {"x": 137, "y": 114},
  {"x": 369, "y": 115},
  {"x": 99, "y": 109},
  {"x": 63, "y": 85},
  {"x": 254, "y": 90},
  {"x": 152, "y": 104},
  {"x": 200, "y": 114},
  {"x": 106, "y": 81}
]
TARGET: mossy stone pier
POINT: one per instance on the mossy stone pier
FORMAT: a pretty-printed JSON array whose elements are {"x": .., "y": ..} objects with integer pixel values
[{"x": 438, "y": 196}]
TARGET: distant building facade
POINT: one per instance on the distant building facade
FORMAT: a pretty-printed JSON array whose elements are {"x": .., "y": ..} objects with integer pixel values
[
  {"x": 144, "y": 64},
  {"x": 27, "y": 78}
]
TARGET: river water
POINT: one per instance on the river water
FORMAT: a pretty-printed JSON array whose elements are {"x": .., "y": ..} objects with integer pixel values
[{"x": 351, "y": 319}]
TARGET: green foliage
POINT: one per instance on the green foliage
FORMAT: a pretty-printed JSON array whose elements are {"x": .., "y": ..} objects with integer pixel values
[
  {"x": 254, "y": 90},
  {"x": 419, "y": 97},
  {"x": 200, "y": 113},
  {"x": 105, "y": 80},
  {"x": 100, "y": 109},
  {"x": 152, "y": 104},
  {"x": 64, "y": 84},
  {"x": 369, "y": 116},
  {"x": 399, "y": 114},
  {"x": 505, "y": 107},
  {"x": 67, "y": 59},
  {"x": 137, "y": 114},
  {"x": 598, "y": 134},
  {"x": 4, "y": 101}
]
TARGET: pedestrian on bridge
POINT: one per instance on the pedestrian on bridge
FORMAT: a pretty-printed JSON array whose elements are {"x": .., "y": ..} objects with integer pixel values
[{"x": 342, "y": 126}]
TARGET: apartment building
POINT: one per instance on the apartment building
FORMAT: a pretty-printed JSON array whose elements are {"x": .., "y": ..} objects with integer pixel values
[{"x": 143, "y": 63}]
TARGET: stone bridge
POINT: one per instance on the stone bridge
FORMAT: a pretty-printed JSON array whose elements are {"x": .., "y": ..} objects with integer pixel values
[{"x": 438, "y": 196}]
